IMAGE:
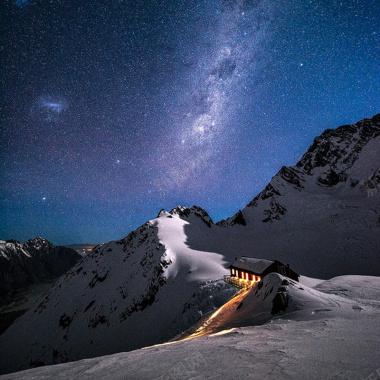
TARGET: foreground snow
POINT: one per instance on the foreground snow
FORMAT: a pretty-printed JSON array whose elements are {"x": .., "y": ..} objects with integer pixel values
[
  {"x": 329, "y": 331},
  {"x": 282, "y": 350}
]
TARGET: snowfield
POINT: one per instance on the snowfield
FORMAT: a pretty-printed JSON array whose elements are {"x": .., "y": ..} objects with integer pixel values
[
  {"x": 201, "y": 265},
  {"x": 330, "y": 331}
]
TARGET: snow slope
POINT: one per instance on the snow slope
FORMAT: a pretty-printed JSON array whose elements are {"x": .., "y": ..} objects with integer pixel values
[{"x": 321, "y": 334}]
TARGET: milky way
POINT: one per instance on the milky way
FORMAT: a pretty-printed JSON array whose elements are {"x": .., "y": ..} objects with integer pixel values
[
  {"x": 204, "y": 127},
  {"x": 114, "y": 110}
]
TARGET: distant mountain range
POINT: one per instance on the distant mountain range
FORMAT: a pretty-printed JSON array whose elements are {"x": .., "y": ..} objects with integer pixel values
[
  {"x": 34, "y": 261},
  {"x": 322, "y": 216}
]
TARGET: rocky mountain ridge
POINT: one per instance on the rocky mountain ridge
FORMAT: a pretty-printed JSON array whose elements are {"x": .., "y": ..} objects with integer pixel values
[{"x": 329, "y": 162}]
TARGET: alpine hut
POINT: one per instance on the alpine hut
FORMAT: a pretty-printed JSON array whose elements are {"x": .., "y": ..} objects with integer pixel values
[{"x": 248, "y": 270}]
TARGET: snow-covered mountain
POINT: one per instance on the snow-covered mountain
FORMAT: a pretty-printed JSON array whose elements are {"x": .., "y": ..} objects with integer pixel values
[
  {"x": 340, "y": 162},
  {"x": 320, "y": 216},
  {"x": 34, "y": 261},
  {"x": 126, "y": 294},
  {"x": 323, "y": 214}
]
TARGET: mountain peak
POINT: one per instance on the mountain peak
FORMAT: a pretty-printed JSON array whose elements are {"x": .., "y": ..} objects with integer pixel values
[
  {"x": 36, "y": 260},
  {"x": 185, "y": 213},
  {"x": 38, "y": 244},
  {"x": 169, "y": 267},
  {"x": 339, "y": 148},
  {"x": 13, "y": 241},
  {"x": 180, "y": 211},
  {"x": 162, "y": 213}
]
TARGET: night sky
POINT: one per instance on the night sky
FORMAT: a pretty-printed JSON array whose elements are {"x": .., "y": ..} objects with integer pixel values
[{"x": 112, "y": 110}]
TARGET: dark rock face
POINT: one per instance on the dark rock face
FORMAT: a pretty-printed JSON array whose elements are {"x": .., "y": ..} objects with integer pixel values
[
  {"x": 336, "y": 150},
  {"x": 117, "y": 281},
  {"x": 372, "y": 183},
  {"x": 184, "y": 213},
  {"x": 275, "y": 212},
  {"x": 34, "y": 261},
  {"x": 13, "y": 241},
  {"x": 330, "y": 178},
  {"x": 339, "y": 148},
  {"x": 292, "y": 176},
  {"x": 55, "y": 260},
  {"x": 151, "y": 268},
  {"x": 239, "y": 219},
  {"x": 280, "y": 302}
]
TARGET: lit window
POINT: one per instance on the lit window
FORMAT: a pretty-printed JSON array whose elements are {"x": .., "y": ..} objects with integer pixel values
[{"x": 233, "y": 271}]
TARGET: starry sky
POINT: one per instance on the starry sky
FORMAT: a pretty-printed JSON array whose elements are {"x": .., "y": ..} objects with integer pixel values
[{"x": 112, "y": 110}]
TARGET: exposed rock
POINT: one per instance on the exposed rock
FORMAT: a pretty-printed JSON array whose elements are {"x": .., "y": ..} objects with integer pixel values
[
  {"x": 239, "y": 219},
  {"x": 339, "y": 148},
  {"x": 292, "y": 176},
  {"x": 280, "y": 302},
  {"x": 185, "y": 213},
  {"x": 275, "y": 212}
]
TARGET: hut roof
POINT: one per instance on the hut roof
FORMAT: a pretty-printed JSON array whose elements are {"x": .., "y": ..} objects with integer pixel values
[{"x": 251, "y": 264}]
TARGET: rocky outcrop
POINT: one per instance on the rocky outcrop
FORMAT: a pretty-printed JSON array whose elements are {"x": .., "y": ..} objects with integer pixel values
[{"x": 194, "y": 211}]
